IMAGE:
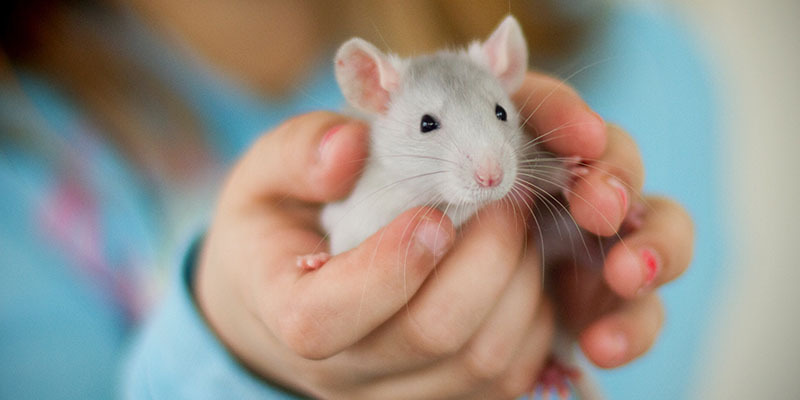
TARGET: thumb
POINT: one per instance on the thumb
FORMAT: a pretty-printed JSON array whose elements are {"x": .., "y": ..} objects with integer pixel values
[{"x": 314, "y": 157}]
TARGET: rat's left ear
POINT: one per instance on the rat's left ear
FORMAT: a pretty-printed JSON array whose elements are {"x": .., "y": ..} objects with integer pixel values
[
  {"x": 505, "y": 53},
  {"x": 366, "y": 76}
]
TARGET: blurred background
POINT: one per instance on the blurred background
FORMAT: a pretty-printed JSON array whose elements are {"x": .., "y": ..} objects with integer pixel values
[
  {"x": 710, "y": 89},
  {"x": 750, "y": 348}
]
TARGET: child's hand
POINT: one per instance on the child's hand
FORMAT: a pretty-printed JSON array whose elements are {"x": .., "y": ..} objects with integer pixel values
[
  {"x": 374, "y": 322},
  {"x": 619, "y": 319}
]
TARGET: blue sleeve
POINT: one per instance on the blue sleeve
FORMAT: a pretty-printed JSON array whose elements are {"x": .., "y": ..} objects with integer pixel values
[{"x": 177, "y": 355}]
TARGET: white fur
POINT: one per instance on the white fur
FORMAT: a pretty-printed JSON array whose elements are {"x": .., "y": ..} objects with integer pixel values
[
  {"x": 363, "y": 91},
  {"x": 460, "y": 89},
  {"x": 505, "y": 54}
]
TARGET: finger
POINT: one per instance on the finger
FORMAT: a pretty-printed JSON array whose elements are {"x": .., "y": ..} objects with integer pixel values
[
  {"x": 559, "y": 118},
  {"x": 327, "y": 310},
  {"x": 465, "y": 376},
  {"x": 625, "y": 334},
  {"x": 656, "y": 253},
  {"x": 449, "y": 308},
  {"x": 601, "y": 194},
  {"x": 314, "y": 157},
  {"x": 454, "y": 302},
  {"x": 494, "y": 343},
  {"x": 498, "y": 341},
  {"x": 530, "y": 359}
]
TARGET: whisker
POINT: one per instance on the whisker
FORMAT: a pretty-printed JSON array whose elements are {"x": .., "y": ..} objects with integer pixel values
[
  {"x": 568, "y": 190},
  {"x": 560, "y": 84}
]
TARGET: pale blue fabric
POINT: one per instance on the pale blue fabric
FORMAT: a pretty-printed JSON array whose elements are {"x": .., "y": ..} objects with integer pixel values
[
  {"x": 178, "y": 357},
  {"x": 63, "y": 331}
]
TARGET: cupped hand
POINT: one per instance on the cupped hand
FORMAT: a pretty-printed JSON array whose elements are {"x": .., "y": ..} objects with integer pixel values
[
  {"x": 415, "y": 311},
  {"x": 613, "y": 307},
  {"x": 418, "y": 311}
]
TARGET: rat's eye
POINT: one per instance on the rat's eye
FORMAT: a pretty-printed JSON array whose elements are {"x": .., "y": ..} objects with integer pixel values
[
  {"x": 428, "y": 124},
  {"x": 500, "y": 112}
]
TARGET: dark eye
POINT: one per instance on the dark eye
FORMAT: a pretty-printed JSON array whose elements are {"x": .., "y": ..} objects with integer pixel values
[
  {"x": 500, "y": 112},
  {"x": 428, "y": 124}
]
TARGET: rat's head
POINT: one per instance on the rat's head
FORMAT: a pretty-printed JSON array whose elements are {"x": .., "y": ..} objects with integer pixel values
[{"x": 446, "y": 120}]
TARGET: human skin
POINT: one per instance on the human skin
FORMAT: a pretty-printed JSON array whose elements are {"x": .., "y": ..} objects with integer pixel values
[{"x": 418, "y": 311}]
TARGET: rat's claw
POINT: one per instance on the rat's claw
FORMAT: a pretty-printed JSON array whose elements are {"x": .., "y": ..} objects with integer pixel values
[{"x": 311, "y": 262}]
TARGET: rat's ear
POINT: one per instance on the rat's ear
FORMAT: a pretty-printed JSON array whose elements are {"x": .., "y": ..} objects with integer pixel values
[
  {"x": 365, "y": 75},
  {"x": 505, "y": 53}
]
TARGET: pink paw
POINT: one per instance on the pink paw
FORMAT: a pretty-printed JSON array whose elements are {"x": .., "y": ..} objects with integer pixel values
[
  {"x": 555, "y": 377},
  {"x": 310, "y": 262}
]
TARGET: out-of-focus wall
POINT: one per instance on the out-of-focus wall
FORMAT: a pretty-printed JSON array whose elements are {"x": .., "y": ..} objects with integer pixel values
[{"x": 753, "y": 346}]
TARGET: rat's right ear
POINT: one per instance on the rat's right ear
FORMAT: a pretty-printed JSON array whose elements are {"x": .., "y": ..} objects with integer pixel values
[
  {"x": 365, "y": 75},
  {"x": 504, "y": 53}
]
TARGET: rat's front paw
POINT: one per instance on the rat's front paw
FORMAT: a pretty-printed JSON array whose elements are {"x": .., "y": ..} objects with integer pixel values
[{"x": 310, "y": 262}]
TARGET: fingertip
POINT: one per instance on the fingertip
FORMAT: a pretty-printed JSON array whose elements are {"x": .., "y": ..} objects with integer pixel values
[
  {"x": 625, "y": 334},
  {"x": 292, "y": 161},
  {"x": 416, "y": 240},
  {"x": 552, "y": 108},
  {"x": 340, "y": 157},
  {"x": 435, "y": 232},
  {"x": 584, "y": 132},
  {"x": 623, "y": 271},
  {"x": 606, "y": 344},
  {"x": 598, "y": 202}
]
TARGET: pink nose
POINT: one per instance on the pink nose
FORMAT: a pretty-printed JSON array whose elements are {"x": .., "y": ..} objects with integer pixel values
[{"x": 489, "y": 174}]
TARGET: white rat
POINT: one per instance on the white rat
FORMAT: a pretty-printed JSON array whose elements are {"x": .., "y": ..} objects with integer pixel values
[{"x": 444, "y": 133}]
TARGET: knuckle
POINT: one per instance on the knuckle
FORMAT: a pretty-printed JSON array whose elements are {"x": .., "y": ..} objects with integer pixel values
[
  {"x": 488, "y": 361},
  {"x": 432, "y": 340},
  {"x": 302, "y": 333},
  {"x": 515, "y": 384},
  {"x": 521, "y": 377}
]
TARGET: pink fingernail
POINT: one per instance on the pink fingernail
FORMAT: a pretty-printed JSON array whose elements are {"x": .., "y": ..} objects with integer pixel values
[
  {"x": 327, "y": 138},
  {"x": 650, "y": 267},
  {"x": 621, "y": 192},
  {"x": 431, "y": 236}
]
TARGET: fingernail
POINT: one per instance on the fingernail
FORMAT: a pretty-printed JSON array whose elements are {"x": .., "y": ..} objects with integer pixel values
[
  {"x": 432, "y": 237},
  {"x": 615, "y": 346},
  {"x": 622, "y": 193},
  {"x": 326, "y": 139},
  {"x": 650, "y": 266}
]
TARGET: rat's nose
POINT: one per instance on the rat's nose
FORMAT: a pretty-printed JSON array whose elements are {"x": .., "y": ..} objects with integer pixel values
[{"x": 489, "y": 173}]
